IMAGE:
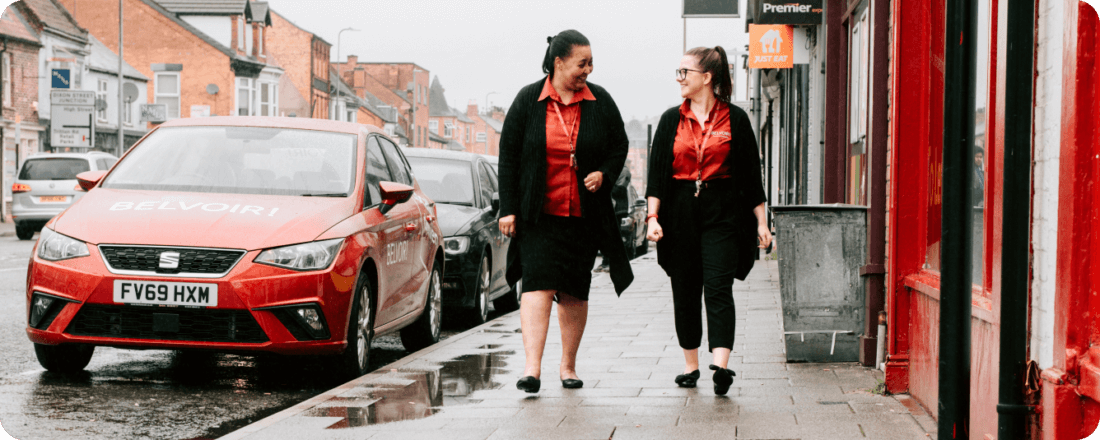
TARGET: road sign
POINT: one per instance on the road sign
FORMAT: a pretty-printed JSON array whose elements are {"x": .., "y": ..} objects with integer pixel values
[
  {"x": 154, "y": 112},
  {"x": 789, "y": 12},
  {"x": 60, "y": 79},
  {"x": 72, "y": 121},
  {"x": 771, "y": 46},
  {"x": 711, "y": 9}
]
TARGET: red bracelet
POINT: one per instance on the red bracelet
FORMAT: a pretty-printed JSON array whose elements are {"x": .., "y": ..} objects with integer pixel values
[{"x": 650, "y": 216}]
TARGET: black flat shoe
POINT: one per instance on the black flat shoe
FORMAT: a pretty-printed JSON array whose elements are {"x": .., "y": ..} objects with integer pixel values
[
  {"x": 529, "y": 384},
  {"x": 572, "y": 383},
  {"x": 723, "y": 378},
  {"x": 688, "y": 380}
]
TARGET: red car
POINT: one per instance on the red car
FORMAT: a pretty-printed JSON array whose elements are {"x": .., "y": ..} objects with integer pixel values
[{"x": 283, "y": 235}]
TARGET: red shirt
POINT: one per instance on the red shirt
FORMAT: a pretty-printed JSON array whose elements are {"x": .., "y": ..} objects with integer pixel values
[
  {"x": 562, "y": 195},
  {"x": 690, "y": 135}
]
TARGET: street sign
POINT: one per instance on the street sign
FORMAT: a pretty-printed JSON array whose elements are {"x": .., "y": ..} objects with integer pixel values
[
  {"x": 154, "y": 112},
  {"x": 711, "y": 9},
  {"x": 789, "y": 12},
  {"x": 60, "y": 79},
  {"x": 72, "y": 121},
  {"x": 771, "y": 46}
]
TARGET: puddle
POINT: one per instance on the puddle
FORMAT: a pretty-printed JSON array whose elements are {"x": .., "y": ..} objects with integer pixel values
[
  {"x": 490, "y": 347},
  {"x": 428, "y": 393}
]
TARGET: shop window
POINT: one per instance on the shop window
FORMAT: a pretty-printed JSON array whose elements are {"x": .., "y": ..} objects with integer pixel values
[
  {"x": 858, "y": 72},
  {"x": 168, "y": 92},
  {"x": 101, "y": 94}
]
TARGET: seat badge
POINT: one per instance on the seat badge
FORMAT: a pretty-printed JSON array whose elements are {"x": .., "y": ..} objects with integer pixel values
[{"x": 169, "y": 260}]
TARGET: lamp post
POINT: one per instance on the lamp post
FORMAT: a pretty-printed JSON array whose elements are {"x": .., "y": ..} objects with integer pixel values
[
  {"x": 338, "y": 35},
  {"x": 487, "y": 100},
  {"x": 340, "y": 72}
]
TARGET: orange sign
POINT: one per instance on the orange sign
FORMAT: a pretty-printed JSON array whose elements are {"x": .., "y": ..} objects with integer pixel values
[{"x": 771, "y": 46}]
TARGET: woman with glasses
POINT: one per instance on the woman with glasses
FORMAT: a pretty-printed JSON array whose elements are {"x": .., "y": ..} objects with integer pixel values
[
  {"x": 705, "y": 182},
  {"x": 562, "y": 147}
]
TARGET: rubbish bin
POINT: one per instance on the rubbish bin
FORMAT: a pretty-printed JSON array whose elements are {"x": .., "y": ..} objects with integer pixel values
[{"x": 821, "y": 249}]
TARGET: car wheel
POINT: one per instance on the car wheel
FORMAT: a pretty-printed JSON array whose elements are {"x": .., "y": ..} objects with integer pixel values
[
  {"x": 68, "y": 358},
  {"x": 24, "y": 232},
  {"x": 644, "y": 247},
  {"x": 355, "y": 359},
  {"x": 425, "y": 330},
  {"x": 480, "y": 312},
  {"x": 510, "y": 301},
  {"x": 629, "y": 244}
]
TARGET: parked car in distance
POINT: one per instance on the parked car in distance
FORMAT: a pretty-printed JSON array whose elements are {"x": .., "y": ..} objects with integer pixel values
[
  {"x": 241, "y": 234},
  {"x": 46, "y": 186},
  {"x": 493, "y": 160},
  {"x": 464, "y": 188},
  {"x": 634, "y": 226}
]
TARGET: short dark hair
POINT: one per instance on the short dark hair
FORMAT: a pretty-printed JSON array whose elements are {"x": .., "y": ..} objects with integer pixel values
[
  {"x": 979, "y": 150},
  {"x": 561, "y": 46},
  {"x": 714, "y": 61}
]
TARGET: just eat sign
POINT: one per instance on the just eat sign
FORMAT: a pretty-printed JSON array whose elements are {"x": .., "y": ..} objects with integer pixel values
[{"x": 771, "y": 46}]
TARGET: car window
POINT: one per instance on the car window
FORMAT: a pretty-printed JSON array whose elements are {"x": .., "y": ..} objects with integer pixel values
[
  {"x": 632, "y": 195},
  {"x": 488, "y": 187},
  {"x": 108, "y": 163},
  {"x": 100, "y": 164},
  {"x": 240, "y": 160},
  {"x": 398, "y": 167},
  {"x": 53, "y": 168},
  {"x": 377, "y": 172},
  {"x": 444, "y": 180}
]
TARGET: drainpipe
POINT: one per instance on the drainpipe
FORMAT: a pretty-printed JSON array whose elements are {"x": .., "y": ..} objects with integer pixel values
[
  {"x": 956, "y": 246},
  {"x": 1019, "y": 71}
]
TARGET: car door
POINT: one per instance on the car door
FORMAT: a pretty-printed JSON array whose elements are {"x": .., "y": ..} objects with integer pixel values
[
  {"x": 393, "y": 270},
  {"x": 418, "y": 237},
  {"x": 497, "y": 241}
]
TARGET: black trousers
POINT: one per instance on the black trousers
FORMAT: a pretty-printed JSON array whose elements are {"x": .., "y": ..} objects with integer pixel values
[{"x": 702, "y": 233}]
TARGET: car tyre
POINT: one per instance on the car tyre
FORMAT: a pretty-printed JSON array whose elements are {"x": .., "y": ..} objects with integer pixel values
[
  {"x": 355, "y": 360},
  {"x": 66, "y": 358},
  {"x": 24, "y": 232},
  {"x": 631, "y": 250},
  {"x": 644, "y": 247},
  {"x": 425, "y": 330},
  {"x": 510, "y": 301},
  {"x": 480, "y": 312}
]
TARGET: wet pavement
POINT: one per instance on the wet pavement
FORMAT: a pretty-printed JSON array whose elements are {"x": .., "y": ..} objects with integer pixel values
[{"x": 464, "y": 388}]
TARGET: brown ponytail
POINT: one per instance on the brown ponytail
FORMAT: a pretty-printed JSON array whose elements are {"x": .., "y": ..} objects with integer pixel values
[{"x": 714, "y": 62}]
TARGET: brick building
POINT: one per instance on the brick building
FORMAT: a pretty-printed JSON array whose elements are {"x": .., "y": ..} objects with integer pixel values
[
  {"x": 190, "y": 48},
  {"x": 486, "y": 130},
  {"x": 18, "y": 94},
  {"x": 448, "y": 123},
  {"x": 394, "y": 103},
  {"x": 304, "y": 57},
  {"x": 405, "y": 80}
]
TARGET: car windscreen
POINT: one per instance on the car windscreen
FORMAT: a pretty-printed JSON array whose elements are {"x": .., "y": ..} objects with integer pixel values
[
  {"x": 54, "y": 168},
  {"x": 444, "y": 180},
  {"x": 240, "y": 160}
]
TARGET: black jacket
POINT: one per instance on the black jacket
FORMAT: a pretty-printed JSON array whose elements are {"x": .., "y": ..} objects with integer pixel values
[
  {"x": 744, "y": 164},
  {"x": 601, "y": 146}
]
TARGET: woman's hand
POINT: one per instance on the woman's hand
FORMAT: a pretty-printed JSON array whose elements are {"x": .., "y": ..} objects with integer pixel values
[
  {"x": 763, "y": 236},
  {"x": 508, "y": 225},
  {"x": 655, "y": 232},
  {"x": 594, "y": 181}
]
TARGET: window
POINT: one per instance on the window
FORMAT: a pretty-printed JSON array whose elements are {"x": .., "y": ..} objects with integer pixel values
[
  {"x": 269, "y": 99},
  {"x": 448, "y": 129},
  {"x": 858, "y": 72},
  {"x": 377, "y": 172},
  {"x": 481, "y": 137},
  {"x": 240, "y": 33},
  {"x": 101, "y": 94},
  {"x": 487, "y": 187},
  {"x": 5, "y": 72},
  {"x": 433, "y": 126},
  {"x": 260, "y": 41},
  {"x": 398, "y": 167},
  {"x": 128, "y": 112},
  {"x": 168, "y": 92},
  {"x": 468, "y": 134},
  {"x": 248, "y": 38},
  {"x": 245, "y": 97},
  {"x": 352, "y": 114}
]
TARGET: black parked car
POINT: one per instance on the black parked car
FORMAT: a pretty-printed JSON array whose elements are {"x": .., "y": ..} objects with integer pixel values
[
  {"x": 634, "y": 226},
  {"x": 464, "y": 188}
]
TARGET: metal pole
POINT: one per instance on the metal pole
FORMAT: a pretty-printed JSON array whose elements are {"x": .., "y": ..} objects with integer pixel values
[
  {"x": 685, "y": 35},
  {"x": 956, "y": 246},
  {"x": 121, "y": 133},
  {"x": 487, "y": 100},
  {"x": 1019, "y": 70}
]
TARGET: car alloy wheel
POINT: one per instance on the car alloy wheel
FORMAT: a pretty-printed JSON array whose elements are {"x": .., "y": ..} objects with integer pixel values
[
  {"x": 480, "y": 313},
  {"x": 435, "y": 304},
  {"x": 363, "y": 327}
]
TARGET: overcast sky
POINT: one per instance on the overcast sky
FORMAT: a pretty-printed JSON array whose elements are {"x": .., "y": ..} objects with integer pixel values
[{"x": 483, "y": 46}]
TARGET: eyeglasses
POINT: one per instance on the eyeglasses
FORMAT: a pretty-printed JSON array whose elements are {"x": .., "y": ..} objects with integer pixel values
[{"x": 683, "y": 73}]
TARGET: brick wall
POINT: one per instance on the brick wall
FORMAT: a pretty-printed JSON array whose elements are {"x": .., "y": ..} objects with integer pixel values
[
  {"x": 291, "y": 48},
  {"x": 153, "y": 38},
  {"x": 396, "y": 76},
  {"x": 24, "y": 82}
]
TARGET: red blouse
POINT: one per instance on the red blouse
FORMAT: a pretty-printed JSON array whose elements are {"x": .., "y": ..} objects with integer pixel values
[
  {"x": 690, "y": 135},
  {"x": 563, "y": 197}
]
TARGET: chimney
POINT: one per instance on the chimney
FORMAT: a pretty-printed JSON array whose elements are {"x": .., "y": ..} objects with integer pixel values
[
  {"x": 498, "y": 115},
  {"x": 353, "y": 60},
  {"x": 471, "y": 109}
]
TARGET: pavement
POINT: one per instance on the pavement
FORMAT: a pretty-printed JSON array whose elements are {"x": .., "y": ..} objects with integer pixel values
[
  {"x": 464, "y": 387},
  {"x": 7, "y": 228}
]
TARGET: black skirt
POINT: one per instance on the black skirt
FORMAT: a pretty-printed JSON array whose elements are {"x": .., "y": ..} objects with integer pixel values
[{"x": 558, "y": 254}]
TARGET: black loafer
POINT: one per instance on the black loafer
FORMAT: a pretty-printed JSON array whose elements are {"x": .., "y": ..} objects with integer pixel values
[
  {"x": 688, "y": 380},
  {"x": 723, "y": 378},
  {"x": 529, "y": 384},
  {"x": 572, "y": 383}
]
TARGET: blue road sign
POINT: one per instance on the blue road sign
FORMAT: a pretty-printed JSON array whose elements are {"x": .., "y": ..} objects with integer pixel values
[{"x": 60, "y": 79}]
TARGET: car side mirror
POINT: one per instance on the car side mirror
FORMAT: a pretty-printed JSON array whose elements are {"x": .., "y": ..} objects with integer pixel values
[
  {"x": 393, "y": 193},
  {"x": 89, "y": 179},
  {"x": 641, "y": 202},
  {"x": 495, "y": 201}
]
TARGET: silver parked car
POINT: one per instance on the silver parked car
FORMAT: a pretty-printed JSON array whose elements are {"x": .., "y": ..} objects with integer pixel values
[{"x": 47, "y": 185}]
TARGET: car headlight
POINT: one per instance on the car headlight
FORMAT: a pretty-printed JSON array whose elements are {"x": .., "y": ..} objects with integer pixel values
[
  {"x": 625, "y": 222},
  {"x": 53, "y": 246},
  {"x": 306, "y": 256},
  {"x": 456, "y": 245}
]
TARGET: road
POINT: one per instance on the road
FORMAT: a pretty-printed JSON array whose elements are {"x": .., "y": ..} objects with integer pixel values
[{"x": 147, "y": 394}]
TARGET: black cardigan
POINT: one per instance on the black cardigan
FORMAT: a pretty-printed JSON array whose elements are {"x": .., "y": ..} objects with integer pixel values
[
  {"x": 744, "y": 164},
  {"x": 601, "y": 146}
]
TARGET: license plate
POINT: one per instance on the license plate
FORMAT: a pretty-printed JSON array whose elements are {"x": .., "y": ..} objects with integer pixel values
[
  {"x": 52, "y": 199},
  {"x": 164, "y": 293}
]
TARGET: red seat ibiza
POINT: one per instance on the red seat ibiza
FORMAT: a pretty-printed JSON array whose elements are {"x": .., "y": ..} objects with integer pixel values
[{"x": 292, "y": 236}]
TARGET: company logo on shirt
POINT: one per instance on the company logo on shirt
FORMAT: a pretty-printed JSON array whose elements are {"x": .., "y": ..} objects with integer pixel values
[{"x": 724, "y": 134}]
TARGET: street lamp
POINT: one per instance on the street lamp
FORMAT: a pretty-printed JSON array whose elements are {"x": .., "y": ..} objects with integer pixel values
[
  {"x": 487, "y": 100},
  {"x": 339, "y": 71},
  {"x": 338, "y": 34}
]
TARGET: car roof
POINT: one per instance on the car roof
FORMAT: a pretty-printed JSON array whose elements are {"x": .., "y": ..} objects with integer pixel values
[
  {"x": 440, "y": 154},
  {"x": 490, "y": 159},
  {"x": 88, "y": 155},
  {"x": 274, "y": 122}
]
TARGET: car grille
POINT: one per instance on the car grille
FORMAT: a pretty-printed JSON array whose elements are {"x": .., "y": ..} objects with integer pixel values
[
  {"x": 191, "y": 260},
  {"x": 136, "y": 322}
]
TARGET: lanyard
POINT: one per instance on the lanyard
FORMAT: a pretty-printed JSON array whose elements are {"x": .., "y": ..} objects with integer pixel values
[
  {"x": 569, "y": 135},
  {"x": 699, "y": 149}
]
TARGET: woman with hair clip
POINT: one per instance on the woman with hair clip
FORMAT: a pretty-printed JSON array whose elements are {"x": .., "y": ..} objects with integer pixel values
[
  {"x": 705, "y": 182},
  {"x": 561, "y": 150}
]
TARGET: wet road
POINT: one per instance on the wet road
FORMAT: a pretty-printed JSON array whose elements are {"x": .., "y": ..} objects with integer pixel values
[{"x": 153, "y": 393}]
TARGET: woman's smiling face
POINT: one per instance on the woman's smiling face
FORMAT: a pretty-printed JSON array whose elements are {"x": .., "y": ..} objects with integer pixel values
[
  {"x": 694, "y": 80},
  {"x": 574, "y": 69}
]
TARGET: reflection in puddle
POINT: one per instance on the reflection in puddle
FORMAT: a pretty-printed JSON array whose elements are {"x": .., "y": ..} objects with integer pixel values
[
  {"x": 428, "y": 391},
  {"x": 490, "y": 347}
]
